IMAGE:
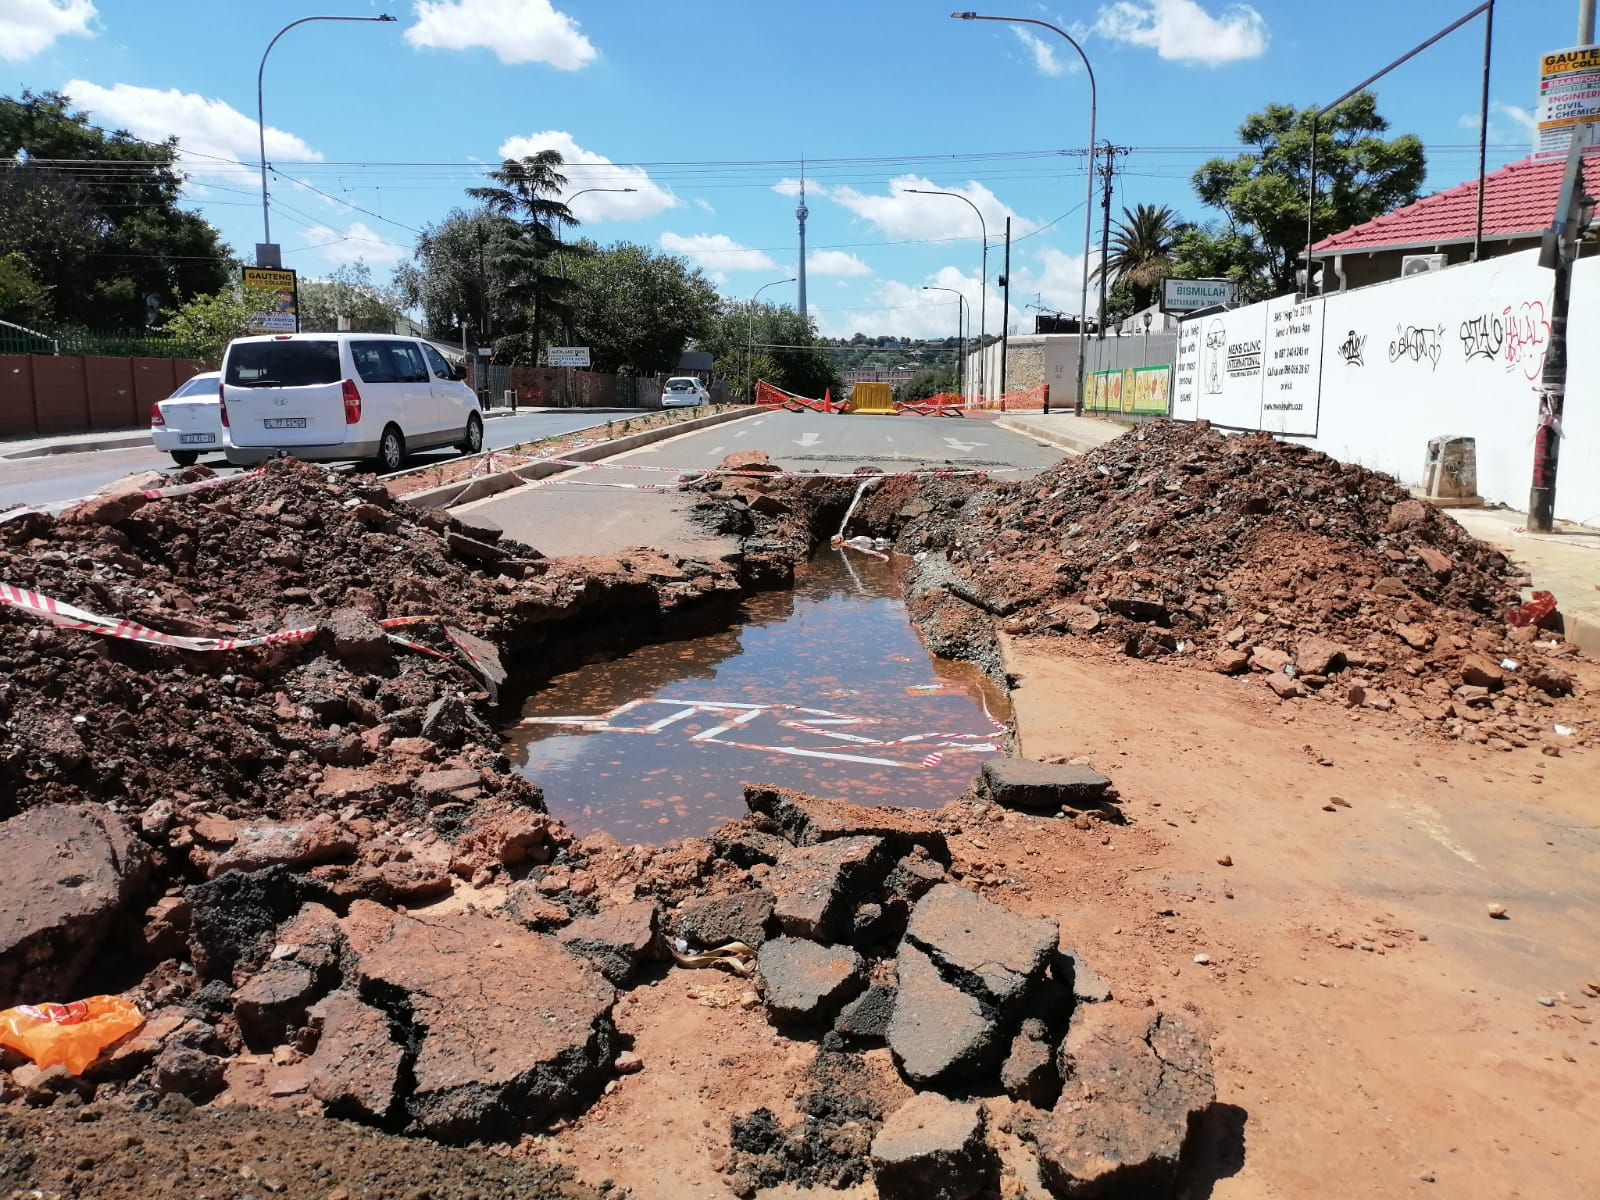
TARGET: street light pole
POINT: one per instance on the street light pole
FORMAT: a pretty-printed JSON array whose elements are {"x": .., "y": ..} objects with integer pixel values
[
  {"x": 961, "y": 342},
  {"x": 983, "y": 282},
  {"x": 750, "y": 336},
  {"x": 1088, "y": 202},
  {"x": 261, "y": 122}
]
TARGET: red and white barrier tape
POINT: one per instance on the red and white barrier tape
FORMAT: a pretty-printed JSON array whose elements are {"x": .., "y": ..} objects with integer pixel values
[{"x": 69, "y": 616}]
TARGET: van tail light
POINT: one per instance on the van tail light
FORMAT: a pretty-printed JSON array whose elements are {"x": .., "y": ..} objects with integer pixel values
[
  {"x": 223, "y": 405},
  {"x": 156, "y": 419},
  {"x": 352, "y": 402}
]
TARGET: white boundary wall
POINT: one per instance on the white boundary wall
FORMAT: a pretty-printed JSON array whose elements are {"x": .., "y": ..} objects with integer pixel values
[{"x": 1370, "y": 376}]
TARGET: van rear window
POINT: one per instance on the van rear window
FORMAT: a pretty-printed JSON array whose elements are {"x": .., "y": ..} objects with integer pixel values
[{"x": 282, "y": 364}]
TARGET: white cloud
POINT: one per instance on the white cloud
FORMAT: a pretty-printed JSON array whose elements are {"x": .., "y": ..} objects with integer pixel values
[
  {"x": 357, "y": 242},
  {"x": 717, "y": 252},
  {"x": 1519, "y": 117},
  {"x": 1054, "y": 280},
  {"x": 702, "y": 203},
  {"x": 835, "y": 262},
  {"x": 646, "y": 200},
  {"x": 901, "y": 214},
  {"x": 1044, "y": 54},
  {"x": 518, "y": 31},
  {"x": 203, "y": 126},
  {"x": 787, "y": 187},
  {"x": 1182, "y": 31},
  {"x": 30, "y": 26}
]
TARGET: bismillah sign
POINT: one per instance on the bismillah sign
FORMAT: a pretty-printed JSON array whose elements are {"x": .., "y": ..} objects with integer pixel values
[{"x": 1191, "y": 295}]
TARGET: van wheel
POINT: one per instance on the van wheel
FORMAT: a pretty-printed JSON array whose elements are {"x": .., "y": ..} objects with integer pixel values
[
  {"x": 185, "y": 458},
  {"x": 473, "y": 442},
  {"x": 391, "y": 450}
]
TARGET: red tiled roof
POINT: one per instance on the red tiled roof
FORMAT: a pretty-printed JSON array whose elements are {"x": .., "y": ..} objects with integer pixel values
[{"x": 1519, "y": 199}]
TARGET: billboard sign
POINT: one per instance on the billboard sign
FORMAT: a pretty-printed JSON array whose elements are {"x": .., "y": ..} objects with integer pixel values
[
  {"x": 1188, "y": 295},
  {"x": 282, "y": 312},
  {"x": 567, "y": 356},
  {"x": 1569, "y": 96}
]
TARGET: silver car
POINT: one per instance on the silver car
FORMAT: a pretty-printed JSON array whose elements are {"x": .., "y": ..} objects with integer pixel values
[{"x": 684, "y": 391}]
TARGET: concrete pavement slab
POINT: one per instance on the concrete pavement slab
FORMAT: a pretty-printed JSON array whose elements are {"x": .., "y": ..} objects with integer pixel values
[{"x": 1078, "y": 435}]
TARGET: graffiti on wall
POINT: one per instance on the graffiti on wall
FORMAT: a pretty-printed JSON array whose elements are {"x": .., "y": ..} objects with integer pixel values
[
  {"x": 1417, "y": 343},
  {"x": 1516, "y": 337},
  {"x": 1527, "y": 337},
  {"x": 1352, "y": 348}
]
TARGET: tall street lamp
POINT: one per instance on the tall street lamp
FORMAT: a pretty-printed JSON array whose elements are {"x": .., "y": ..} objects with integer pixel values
[
  {"x": 983, "y": 294},
  {"x": 586, "y": 191},
  {"x": 1088, "y": 202},
  {"x": 961, "y": 342},
  {"x": 265, "y": 248},
  {"x": 750, "y": 336}
]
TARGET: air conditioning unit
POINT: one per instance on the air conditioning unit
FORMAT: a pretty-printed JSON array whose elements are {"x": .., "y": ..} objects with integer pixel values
[{"x": 1421, "y": 264}]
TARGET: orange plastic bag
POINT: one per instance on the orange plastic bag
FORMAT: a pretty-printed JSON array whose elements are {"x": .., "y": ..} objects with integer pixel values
[{"x": 69, "y": 1035}]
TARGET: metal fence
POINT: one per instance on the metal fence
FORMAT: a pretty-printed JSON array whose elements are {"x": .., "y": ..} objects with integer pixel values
[{"x": 134, "y": 343}]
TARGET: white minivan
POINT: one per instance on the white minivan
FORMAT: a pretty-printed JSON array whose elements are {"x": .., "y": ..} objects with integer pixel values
[{"x": 322, "y": 396}]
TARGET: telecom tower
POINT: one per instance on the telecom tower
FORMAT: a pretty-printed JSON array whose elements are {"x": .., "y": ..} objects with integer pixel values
[{"x": 801, "y": 213}]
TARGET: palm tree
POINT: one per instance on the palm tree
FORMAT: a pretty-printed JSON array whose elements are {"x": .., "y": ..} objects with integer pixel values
[
  {"x": 1141, "y": 250},
  {"x": 525, "y": 194}
]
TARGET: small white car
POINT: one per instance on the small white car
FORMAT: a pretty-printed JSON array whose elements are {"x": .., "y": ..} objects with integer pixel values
[
  {"x": 188, "y": 423},
  {"x": 684, "y": 391},
  {"x": 328, "y": 396}
]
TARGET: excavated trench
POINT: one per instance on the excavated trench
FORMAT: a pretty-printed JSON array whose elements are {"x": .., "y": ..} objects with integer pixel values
[{"x": 824, "y": 687}]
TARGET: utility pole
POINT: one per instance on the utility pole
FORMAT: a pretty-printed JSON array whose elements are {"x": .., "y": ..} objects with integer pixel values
[
  {"x": 1005, "y": 309},
  {"x": 1108, "y": 176},
  {"x": 1558, "y": 250},
  {"x": 1586, "y": 22},
  {"x": 801, "y": 212}
]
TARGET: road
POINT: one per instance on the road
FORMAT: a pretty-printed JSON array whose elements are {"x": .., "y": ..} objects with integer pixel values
[
  {"x": 59, "y": 477},
  {"x": 603, "y": 510}
]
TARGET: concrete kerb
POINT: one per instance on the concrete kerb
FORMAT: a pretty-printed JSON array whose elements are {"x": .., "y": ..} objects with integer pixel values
[
  {"x": 111, "y": 441},
  {"x": 466, "y": 490}
]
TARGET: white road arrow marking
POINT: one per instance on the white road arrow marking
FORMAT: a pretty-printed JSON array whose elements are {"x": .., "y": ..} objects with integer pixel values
[
  {"x": 807, "y": 439},
  {"x": 961, "y": 447}
]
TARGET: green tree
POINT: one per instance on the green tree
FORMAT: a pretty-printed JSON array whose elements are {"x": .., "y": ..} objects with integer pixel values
[
  {"x": 348, "y": 292},
  {"x": 928, "y": 383},
  {"x": 635, "y": 309},
  {"x": 1219, "y": 251},
  {"x": 23, "y": 299},
  {"x": 525, "y": 194},
  {"x": 783, "y": 336},
  {"x": 458, "y": 274},
  {"x": 1141, "y": 252},
  {"x": 1262, "y": 192},
  {"x": 95, "y": 217},
  {"x": 206, "y": 324}
]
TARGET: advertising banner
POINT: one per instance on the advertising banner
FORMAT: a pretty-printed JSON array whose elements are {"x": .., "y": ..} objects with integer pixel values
[
  {"x": 567, "y": 356},
  {"x": 1292, "y": 372},
  {"x": 1569, "y": 96},
  {"x": 282, "y": 314}
]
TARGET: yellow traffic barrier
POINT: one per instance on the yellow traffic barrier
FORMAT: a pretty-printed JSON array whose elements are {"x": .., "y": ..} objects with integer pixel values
[{"x": 875, "y": 398}]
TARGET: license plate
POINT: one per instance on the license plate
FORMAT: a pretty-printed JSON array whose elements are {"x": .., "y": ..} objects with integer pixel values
[
  {"x": 284, "y": 423},
  {"x": 196, "y": 439}
]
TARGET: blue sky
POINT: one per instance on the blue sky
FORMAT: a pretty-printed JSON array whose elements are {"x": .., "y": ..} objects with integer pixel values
[{"x": 707, "y": 106}]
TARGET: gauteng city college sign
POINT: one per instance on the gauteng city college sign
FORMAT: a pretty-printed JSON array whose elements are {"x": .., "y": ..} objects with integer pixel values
[
  {"x": 1190, "y": 295},
  {"x": 1569, "y": 96}
]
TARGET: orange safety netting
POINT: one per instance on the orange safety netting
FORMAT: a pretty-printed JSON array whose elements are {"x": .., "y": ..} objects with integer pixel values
[
  {"x": 945, "y": 404},
  {"x": 775, "y": 397}
]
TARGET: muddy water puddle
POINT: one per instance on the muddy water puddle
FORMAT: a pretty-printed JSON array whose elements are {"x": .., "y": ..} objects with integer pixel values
[{"x": 826, "y": 688}]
